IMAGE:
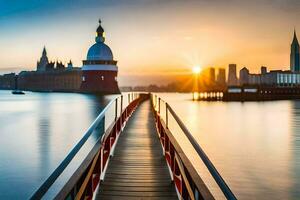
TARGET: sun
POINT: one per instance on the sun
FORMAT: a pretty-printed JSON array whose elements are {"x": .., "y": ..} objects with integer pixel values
[{"x": 196, "y": 70}]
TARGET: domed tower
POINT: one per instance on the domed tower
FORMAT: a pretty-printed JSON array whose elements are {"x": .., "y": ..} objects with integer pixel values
[{"x": 99, "y": 70}]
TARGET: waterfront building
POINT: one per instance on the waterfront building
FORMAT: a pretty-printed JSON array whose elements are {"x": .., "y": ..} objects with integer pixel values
[
  {"x": 232, "y": 78},
  {"x": 50, "y": 76},
  {"x": 51, "y": 81},
  {"x": 98, "y": 74},
  {"x": 287, "y": 78},
  {"x": 8, "y": 81},
  {"x": 295, "y": 55},
  {"x": 274, "y": 78},
  {"x": 99, "y": 71}
]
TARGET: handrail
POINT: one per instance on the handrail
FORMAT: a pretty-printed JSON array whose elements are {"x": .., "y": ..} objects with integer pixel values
[
  {"x": 212, "y": 169},
  {"x": 180, "y": 175},
  {"x": 62, "y": 166},
  {"x": 41, "y": 191}
]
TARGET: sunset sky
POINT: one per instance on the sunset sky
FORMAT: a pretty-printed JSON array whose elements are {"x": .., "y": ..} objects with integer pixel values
[{"x": 153, "y": 40}]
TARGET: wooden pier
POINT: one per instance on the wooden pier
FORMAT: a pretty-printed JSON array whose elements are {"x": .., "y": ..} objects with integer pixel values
[{"x": 138, "y": 169}]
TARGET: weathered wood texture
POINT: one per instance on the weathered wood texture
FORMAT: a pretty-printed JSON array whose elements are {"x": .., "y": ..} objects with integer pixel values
[{"x": 138, "y": 169}]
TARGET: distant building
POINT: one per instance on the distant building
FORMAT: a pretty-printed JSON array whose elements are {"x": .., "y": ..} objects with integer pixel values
[
  {"x": 50, "y": 76},
  {"x": 254, "y": 79},
  {"x": 221, "y": 77},
  {"x": 70, "y": 65},
  {"x": 212, "y": 76},
  {"x": 263, "y": 70},
  {"x": 43, "y": 63},
  {"x": 274, "y": 78},
  {"x": 232, "y": 78},
  {"x": 295, "y": 56},
  {"x": 60, "y": 65},
  {"x": 8, "y": 81},
  {"x": 98, "y": 74},
  {"x": 286, "y": 78},
  {"x": 51, "y": 81},
  {"x": 244, "y": 76},
  {"x": 100, "y": 70}
]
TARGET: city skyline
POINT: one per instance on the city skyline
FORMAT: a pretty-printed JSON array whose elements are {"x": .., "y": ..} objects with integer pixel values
[{"x": 144, "y": 48}]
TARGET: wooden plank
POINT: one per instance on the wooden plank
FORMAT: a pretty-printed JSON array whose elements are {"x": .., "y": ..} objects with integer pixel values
[
  {"x": 118, "y": 197},
  {"x": 110, "y": 181},
  {"x": 140, "y": 193},
  {"x": 138, "y": 169},
  {"x": 130, "y": 188},
  {"x": 139, "y": 184}
]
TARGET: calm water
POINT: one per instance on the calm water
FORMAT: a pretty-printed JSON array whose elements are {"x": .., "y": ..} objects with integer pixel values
[
  {"x": 37, "y": 130},
  {"x": 255, "y": 145}
]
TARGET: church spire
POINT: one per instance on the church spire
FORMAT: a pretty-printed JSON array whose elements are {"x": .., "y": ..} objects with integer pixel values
[
  {"x": 44, "y": 51},
  {"x": 100, "y": 33}
]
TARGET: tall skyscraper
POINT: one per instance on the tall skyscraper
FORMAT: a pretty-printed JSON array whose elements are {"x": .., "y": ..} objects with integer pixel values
[
  {"x": 295, "y": 56},
  {"x": 232, "y": 78}
]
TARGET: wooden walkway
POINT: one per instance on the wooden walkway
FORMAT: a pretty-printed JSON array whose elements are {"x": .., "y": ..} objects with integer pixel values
[{"x": 138, "y": 169}]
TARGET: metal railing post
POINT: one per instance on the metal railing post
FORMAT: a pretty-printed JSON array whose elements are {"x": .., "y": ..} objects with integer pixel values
[
  {"x": 167, "y": 119},
  {"x": 121, "y": 112},
  {"x": 116, "y": 110},
  {"x": 159, "y": 105},
  {"x": 121, "y": 104}
]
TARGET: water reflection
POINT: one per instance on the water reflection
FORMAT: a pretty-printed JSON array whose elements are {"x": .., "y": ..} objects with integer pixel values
[
  {"x": 43, "y": 133},
  {"x": 295, "y": 168},
  {"x": 37, "y": 130},
  {"x": 254, "y": 145}
]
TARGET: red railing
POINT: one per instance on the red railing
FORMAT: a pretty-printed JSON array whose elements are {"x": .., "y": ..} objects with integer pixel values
[
  {"x": 96, "y": 171},
  {"x": 85, "y": 180},
  {"x": 188, "y": 183}
]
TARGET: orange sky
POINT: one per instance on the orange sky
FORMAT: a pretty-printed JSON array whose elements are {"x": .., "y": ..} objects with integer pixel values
[{"x": 156, "y": 41}]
